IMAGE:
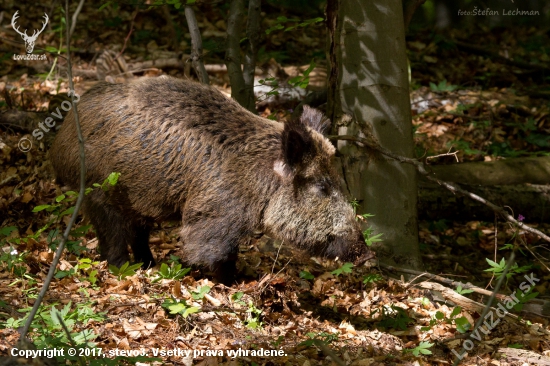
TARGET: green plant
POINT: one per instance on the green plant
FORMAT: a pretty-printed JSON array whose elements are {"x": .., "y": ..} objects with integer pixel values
[
  {"x": 462, "y": 291},
  {"x": 176, "y": 3},
  {"x": 346, "y": 268},
  {"x": 370, "y": 238},
  {"x": 366, "y": 216},
  {"x": 173, "y": 259},
  {"x": 277, "y": 343},
  {"x": 125, "y": 270},
  {"x": 394, "y": 317},
  {"x": 47, "y": 326},
  {"x": 179, "y": 307},
  {"x": 306, "y": 275},
  {"x": 462, "y": 324},
  {"x": 372, "y": 277},
  {"x": 253, "y": 321},
  {"x": 201, "y": 291},
  {"x": 323, "y": 337},
  {"x": 461, "y": 108},
  {"x": 465, "y": 147},
  {"x": 85, "y": 267},
  {"x": 422, "y": 348},
  {"x": 355, "y": 205},
  {"x": 59, "y": 209},
  {"x": 442, "y": 87},
  {"x": 237, "y": 298},
  {"x": 302, "y": 81},
  {"x": 11, "y": 258},
  {"x": 57, "y": 51},
  {"x": 523, "y": 298},
  {"x": 368, "y": 234},
  {"x": 273, "y": 84},
  {"x": 174, "y": 272},
  {"x": 498, "y": 268}
]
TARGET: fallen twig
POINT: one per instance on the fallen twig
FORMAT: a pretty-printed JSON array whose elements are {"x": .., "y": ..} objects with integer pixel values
[{"x": 421, "y": 168}]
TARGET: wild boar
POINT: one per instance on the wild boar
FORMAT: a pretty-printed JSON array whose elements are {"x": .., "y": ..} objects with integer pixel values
[{"x": 187, "y": 152}]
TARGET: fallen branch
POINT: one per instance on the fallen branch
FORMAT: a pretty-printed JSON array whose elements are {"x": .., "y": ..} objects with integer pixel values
[
  {"x": 441, "y": 279},
  {"x": 21, "y": 120},
  {"x": 462, "y": 301},
  {"x": 421, "y": 168},
  {"x": 533, "y": 307},
  {"x": 523, "y": 357},
  {"x": 534, "y": 170},
  {"x": 436, "y": 202}
]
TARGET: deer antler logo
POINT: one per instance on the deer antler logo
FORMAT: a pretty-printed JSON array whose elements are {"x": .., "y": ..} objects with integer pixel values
[{"x": 29, "y": 40}]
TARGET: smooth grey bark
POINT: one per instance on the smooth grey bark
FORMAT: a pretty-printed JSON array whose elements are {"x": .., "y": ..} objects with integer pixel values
[{"x": 368, "y": 94}]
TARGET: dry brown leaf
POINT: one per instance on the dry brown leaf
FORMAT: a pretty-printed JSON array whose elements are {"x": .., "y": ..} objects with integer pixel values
[
  {"x": 139, "y": 328},
  {"x": 124, "y": 344},
  {"x": 176, "y": 289}
]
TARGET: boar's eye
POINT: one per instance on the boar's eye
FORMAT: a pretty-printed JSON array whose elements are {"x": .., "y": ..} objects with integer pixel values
[{"x": 322, "y": 188}]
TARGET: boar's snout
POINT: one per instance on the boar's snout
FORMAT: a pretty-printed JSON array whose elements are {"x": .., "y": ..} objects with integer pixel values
[
  {"x": 354, "y": 250},
  {"x": 363, "y": 252}
]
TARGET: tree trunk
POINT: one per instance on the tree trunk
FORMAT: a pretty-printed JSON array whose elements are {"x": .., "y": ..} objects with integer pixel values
[{"x": 368, "y": 93}]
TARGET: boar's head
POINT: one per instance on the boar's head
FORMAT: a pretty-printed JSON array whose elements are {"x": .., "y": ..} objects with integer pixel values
[{"x": 309, "y": 208}]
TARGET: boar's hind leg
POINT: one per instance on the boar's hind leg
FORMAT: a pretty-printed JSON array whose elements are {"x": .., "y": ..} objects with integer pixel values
[{"x": 115, "y": 232}]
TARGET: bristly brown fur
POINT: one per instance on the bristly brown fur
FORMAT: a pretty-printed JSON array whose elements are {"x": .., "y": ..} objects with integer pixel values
[{"x": 186, "y": 151}]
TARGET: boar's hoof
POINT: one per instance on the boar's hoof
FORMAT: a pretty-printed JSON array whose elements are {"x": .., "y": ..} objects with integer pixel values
[{"x": 225, "y": 273}]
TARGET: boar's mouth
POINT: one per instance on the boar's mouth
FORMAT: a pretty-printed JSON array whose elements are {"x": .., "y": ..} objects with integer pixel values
[
  {"x": 364, "y": 257},
  {"x": 355, "y": 251}
]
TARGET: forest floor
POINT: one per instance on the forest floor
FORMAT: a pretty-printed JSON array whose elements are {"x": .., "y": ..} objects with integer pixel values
[{"x": 466, "y": 101}]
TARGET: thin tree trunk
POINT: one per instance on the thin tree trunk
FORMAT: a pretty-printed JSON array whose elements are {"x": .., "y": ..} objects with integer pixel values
[
  {"x": 196, "y": 45},
  {"x": 233, "y": 52},
  {"x": 253, "y": 35}
]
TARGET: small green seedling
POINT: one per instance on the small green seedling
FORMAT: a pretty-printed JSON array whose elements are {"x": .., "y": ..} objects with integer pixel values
[
  {"x": 125, "y": 270},
  {"x": 422, "y": 348},
  {"x": 201, "y": 291},
  {"x": 346, "y": 268}
]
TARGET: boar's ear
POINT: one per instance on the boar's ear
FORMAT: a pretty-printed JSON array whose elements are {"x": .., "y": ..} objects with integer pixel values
[
  {"x": 296, "y": 144},
  {"x": 315, "y": 119}
]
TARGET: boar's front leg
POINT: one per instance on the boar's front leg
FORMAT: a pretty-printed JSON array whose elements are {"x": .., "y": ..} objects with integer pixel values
[
  {"x": 140, "y": 245},
  {"x": 115, "y": 232}
]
